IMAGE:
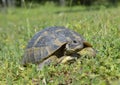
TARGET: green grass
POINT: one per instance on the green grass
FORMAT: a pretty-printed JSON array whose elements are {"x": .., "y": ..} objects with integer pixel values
[{"x": 100, "y": 27}]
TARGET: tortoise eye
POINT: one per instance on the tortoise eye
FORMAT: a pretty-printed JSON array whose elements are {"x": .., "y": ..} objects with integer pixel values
[{"x": 75, "y": 41}]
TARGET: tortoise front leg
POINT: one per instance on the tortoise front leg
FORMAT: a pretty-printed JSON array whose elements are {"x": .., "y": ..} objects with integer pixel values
[
  {"x": 51, "y": 59},
  {"x": 66, "y": 59}
]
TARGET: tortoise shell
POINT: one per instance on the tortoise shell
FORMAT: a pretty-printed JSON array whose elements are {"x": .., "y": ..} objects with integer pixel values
[{"x": 48, "y": 41}]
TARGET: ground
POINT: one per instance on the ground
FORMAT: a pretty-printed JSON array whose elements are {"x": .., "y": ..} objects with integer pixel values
[{"x": 100, "y": 27}]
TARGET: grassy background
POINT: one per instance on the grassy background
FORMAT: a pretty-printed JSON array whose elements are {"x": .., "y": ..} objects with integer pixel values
[{"x": 100, "y": 27}]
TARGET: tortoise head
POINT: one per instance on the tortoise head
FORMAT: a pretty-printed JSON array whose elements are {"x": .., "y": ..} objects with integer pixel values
[{"x": 76, "y": 45}]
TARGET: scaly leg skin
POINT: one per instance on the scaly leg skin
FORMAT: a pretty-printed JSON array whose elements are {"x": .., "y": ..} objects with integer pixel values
[
  {"x": 66, "y": 59},
  {"x": 55, "y": 60},
  {"x": 88, "y": 51},
  {"x": 41, "y": 65},
  {"x": 47, "y": 62}
]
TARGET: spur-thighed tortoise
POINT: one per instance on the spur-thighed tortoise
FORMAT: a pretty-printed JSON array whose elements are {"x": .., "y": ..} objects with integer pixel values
[{"x": 54, "y": 44}]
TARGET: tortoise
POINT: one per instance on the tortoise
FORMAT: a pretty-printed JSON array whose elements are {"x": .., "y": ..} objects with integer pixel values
[{"x": 55, "y": 44}]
